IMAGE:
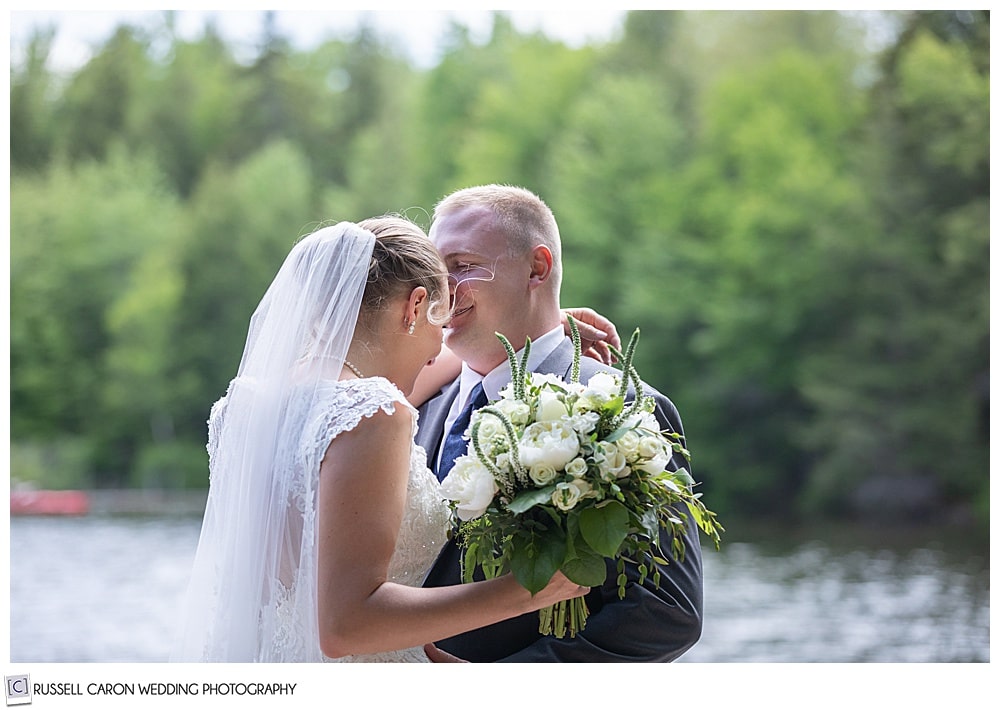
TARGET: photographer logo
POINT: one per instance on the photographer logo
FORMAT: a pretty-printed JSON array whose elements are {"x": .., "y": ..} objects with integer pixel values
[{"x": 18, "y": 689}]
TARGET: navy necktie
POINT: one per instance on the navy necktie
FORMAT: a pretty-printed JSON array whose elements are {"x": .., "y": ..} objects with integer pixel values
[{"x": 454, "y": 445}]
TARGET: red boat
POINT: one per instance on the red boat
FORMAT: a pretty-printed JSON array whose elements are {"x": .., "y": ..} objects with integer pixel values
[{"x": 49, "y": 503}]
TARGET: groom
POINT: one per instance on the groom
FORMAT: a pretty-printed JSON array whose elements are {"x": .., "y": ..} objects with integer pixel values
[{"x": 502, "y": 249}]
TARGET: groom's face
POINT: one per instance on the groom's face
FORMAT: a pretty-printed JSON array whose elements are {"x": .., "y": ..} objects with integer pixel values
[{"x": 489, "y": 286}]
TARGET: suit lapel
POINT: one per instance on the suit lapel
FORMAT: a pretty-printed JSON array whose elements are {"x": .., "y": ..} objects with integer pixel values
[
  {"x": 559, "y": 362},
  {"x": 434, "y": 412}
]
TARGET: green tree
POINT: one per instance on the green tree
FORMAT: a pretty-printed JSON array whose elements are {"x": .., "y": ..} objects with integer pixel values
[
  {"x": 912, "y": 357},
  {"x": 77, "y": 233},
  {"x": 521, "y": 108},
  {"x": 190, "y": 109},
  {"x": 769, "y": 202},
  {"x": 444, "y": 104},
  {"x": 613, "y": 179},
  {"x": 31, "y": 86},
  {"x": 379, "y": 171},
  {"x": 800, "y": 231},
  {"x": 489, "y": 113},
  {"x": 93, "y": 111},
  {"x": 240, "y": 225}
]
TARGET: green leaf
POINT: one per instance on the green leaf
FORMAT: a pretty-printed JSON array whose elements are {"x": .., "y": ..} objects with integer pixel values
[
  {"x": 684, "y": 476},
  {"x": 585, "y": 566},
  {"x": 535, "y": 558},
  {"x": 527, "y": 500},
  {"x": 587, "y": 571},
  {"x": 615, "y": 405},
  {"x": 651, "y": 524},
  {"x": 470, "y": 562},
  {"x": 667, "y": 483},
  {"x": 605, "y": 527},
  {"x": 617, "y": 434}
]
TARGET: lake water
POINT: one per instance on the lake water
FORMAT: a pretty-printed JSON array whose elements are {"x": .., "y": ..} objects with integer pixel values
[{"x": 105, "y": 589}]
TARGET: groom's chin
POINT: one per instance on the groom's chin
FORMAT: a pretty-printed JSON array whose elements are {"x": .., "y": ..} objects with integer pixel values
[{"x": 453, "y": 339}]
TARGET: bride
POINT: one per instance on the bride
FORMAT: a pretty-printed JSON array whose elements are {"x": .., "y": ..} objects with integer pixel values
[{"x": 322, "y": 517}]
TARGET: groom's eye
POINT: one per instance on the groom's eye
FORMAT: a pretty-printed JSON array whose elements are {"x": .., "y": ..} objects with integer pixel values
[
  {"x": 458, "y": 272},
  {"x": 463, "y": 271}
]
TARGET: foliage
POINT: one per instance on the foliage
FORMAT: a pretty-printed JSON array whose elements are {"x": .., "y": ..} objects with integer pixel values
[
  {"x": 797, "y": 221},
  {"x": 240, "y": 225},
  {"x": 913, "y": 353},
  {"x": 562, "y": 475}
]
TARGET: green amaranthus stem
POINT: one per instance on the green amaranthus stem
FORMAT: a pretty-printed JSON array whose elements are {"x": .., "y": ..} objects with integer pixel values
[
  {"x": 515, "y": 458},
  {"x": 518, "y": 371},
  {"x": 574, "y": 375},
  {"x": 629, "y": 374}
]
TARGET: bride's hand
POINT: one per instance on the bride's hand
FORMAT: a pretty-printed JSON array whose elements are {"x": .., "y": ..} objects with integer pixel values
[
  {"x": 596, "y": 333},
  {"x": 560, "y": 588}
]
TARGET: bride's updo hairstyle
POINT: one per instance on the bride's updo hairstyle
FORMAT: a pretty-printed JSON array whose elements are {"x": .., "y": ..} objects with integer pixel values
[{"x": 402, "y": 259}]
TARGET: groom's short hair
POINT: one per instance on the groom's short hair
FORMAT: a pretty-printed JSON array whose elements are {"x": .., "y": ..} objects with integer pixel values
[{"x": 519, "y": 213}]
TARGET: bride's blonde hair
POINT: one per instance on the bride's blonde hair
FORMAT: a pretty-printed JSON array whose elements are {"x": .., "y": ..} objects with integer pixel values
[{"x": 403, "y": 258}]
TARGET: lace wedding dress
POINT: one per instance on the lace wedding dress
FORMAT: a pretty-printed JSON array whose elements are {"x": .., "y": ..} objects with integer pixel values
[
  {"x": 252, "y": 593},
  {"x": 288, "y": 625}
]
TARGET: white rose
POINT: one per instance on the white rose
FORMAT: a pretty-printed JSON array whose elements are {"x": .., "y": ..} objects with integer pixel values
[
  {"x": 585, "y": 423},
  {"x": 554, "y": 443},
  {"x": 650, "y": 446},
  {"x": 610, "y": 461},
  {"x": 490, "y": 432},
  {"x": 542, "y": 474},
  {"x": 604, "y": 384},
  {"x": 628, "y": 444},
  {"x": 566, "y": 495},
  {"x": 586, "y": 490},
  {"x": 515, "y": 410},
  {"x": 655, "y": 465},
  {"x": 550, "y": 406},
  {"x": 471, "y": 485},
  {"x": 656, "y": 454},
  {"x": 577, "y": 467}
]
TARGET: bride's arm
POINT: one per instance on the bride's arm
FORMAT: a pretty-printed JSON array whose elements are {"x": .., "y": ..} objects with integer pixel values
[{"x": 362, "y": 494}]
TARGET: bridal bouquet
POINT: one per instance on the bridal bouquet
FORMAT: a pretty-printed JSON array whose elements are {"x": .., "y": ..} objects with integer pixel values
[{"x": 562, "y": 475}]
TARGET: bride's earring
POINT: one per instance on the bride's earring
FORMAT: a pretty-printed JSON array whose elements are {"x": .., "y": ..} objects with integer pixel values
[{"x": 412, "y": 327}]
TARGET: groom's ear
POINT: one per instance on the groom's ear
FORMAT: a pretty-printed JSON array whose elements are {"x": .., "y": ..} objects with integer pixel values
[{"x": 541, "y": 265}]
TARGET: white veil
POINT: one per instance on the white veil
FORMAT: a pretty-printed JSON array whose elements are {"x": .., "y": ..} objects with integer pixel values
[{"x": 255, "y": 564}]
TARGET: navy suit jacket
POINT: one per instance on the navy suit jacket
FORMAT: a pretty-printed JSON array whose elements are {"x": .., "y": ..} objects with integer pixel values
[{"x": 651, "y": 624}]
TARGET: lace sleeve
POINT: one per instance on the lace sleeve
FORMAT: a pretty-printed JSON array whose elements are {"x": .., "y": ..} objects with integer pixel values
[{"x": 347, "y": 403}]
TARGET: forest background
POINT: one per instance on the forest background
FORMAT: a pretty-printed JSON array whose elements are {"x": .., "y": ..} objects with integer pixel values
[{"x": 797, "y": 221}]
